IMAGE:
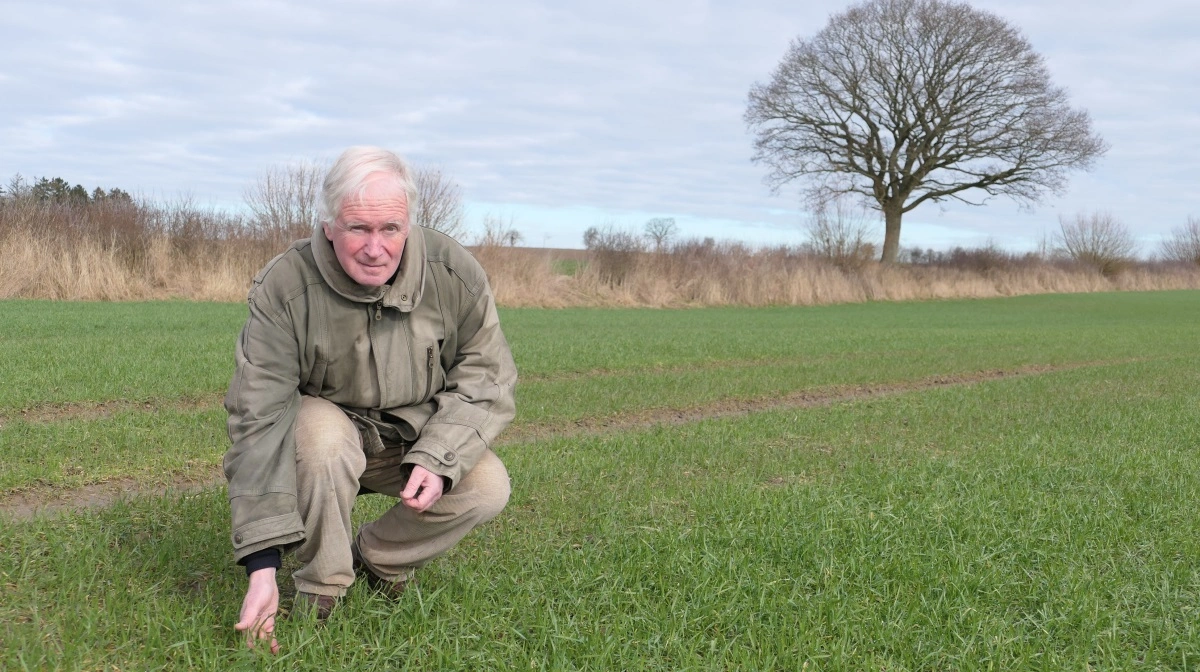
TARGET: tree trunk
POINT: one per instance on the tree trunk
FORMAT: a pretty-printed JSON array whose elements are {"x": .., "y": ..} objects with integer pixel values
[{"x": 891, "y": 233}]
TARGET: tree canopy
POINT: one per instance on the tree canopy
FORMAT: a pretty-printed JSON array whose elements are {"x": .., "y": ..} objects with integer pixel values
[
  {"x": 59, "y": 191},
  {"x": 907, "y": 101}
]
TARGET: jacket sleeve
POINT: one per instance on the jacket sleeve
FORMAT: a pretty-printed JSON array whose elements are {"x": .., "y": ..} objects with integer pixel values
[
  {"x": 477, "y": 401},
  {"x": 262, "y": 402}
]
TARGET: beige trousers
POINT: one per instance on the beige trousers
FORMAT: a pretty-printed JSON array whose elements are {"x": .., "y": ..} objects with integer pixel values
[{"x": 331, "y": 467}]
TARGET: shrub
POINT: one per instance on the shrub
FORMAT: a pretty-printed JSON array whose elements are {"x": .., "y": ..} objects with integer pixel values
[
  {"x": 612, "y": 253},
  {"x": 839, "y": 233},
  {"x": 1098, "y": 240},
  {"x": 1184, "y": 243},
  {"x": 498, "y": 232}
]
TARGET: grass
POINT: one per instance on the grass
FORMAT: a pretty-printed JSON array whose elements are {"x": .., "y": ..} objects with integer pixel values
[
  {"x": 1040, "y": 522},
  {"x": 567, "y": 267},
  {"x": 153, "y": 447},
  {"x": 133, "y": 390},
  {"x": 64, "y": 352}
]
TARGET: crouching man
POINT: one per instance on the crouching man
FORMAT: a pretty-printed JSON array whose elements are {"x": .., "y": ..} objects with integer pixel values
[{"x": 372, "y": 360}]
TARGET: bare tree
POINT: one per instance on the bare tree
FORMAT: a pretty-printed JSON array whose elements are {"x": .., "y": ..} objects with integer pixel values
[
  {"x": 907, "y": 101},
  {"x": 839, "y": 232},
  {"x": 660, "y": 231},
  {"x": 17, "y": 188},
  {"x": 284, "y": 202},
  {"x": 513, "y": 237},
  {"x": 1184, "y": 243},
  {"x": 613, "y": 252},
  {"x": 439, "y": 202},
  {"x": 497, "y": 232},
  {"x": 1098, "y": 240}
]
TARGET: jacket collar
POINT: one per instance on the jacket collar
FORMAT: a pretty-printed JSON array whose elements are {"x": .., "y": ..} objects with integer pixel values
[{"x": 404, "y": 292}]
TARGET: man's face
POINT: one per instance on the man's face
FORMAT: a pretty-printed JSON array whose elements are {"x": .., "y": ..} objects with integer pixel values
[{"x": 368, "y": 236}]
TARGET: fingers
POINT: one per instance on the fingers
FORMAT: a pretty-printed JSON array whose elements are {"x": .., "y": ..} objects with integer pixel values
[
  {"x": 422, "y": 490},
  {"x": 420, "y": 503},
  {"x": 415, "y": 481},
  {"x": 257, "y": 624},
  {"x": 425, "y": 498},
  {"x": 410, "y": 490},
  {"x": 257, "y": 611},
  {"x": 263, "y": 629},
  {"x": 257, "y": 617}
]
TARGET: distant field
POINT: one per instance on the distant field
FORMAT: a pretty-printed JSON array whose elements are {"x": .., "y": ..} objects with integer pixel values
[{"x": 990, "y": 484}]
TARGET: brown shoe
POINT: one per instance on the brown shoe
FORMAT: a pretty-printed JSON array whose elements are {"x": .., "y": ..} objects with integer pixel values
[
  {"x": 321, "y": 605},
  {"x": 392, "y": 589}
]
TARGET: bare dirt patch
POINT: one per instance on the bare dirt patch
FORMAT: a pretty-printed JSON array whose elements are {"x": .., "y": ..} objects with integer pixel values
[
  {"x": 716, "y": 364},
  {"x": 97, "y": 410},
  {"x": 39, "y": 501},
  {"x": 47, "y": 501},
  {"x": 736, "y": 407}
]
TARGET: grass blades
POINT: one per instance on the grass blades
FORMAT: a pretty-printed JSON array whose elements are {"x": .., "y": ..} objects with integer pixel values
[
  {"x": 63, "y": 352},
  {"x": 1032, "y": 523},
  {"x": 70, "y": 352},
  {"x": 105, "y": 391},
  {"x": 155, "y": 448}
]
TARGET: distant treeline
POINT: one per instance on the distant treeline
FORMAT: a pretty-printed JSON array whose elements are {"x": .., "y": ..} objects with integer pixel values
[
  {"x": 58, "y": 191},
  {"x": 63, "y": 242}
]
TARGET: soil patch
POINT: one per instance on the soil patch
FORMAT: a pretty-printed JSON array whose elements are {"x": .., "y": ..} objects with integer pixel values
[
  {"x": 97, "y": 410},
  {"x": 46, "y": 501},
  {"x": 735, "y": 407},
  {"x": 722, "y": 364}
]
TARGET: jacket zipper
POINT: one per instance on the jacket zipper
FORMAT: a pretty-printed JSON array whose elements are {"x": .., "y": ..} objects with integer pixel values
[
  {"x": 429, "y": 370},
  {"x": 379, "y": 310}
]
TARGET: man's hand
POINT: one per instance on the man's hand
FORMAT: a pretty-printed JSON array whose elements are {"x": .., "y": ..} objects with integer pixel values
[
  {"x": 423, "y": 489},
  {"x": 259, "y": 609}
]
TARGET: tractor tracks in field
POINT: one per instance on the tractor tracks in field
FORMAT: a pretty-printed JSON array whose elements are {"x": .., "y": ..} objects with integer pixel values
[
  {"x": 98, "y": 410},
  {"x": 37, "y": 501},
  {"x": 727, "y": 408}
]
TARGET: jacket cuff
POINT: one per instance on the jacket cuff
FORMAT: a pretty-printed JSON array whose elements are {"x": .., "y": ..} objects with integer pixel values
[
  {"x": 437, "y": 459},
  {"x": 268, "y": 557},
  {"x": 275, "y": 532}
]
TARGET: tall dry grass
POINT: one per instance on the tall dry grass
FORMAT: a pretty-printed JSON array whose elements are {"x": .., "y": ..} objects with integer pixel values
[
  {"x": 138, "y": 251},
  {"x": 126, "y": 251},
  {"x": 732, "y": 274}
]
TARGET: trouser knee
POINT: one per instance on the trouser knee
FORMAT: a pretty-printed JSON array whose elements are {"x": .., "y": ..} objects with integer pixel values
[
  {"x": 491, "y": 488},
  {"x": 491, "y": 502},
  {"x": 324, "y": 433},
  {"x": 326, "y": 440}
]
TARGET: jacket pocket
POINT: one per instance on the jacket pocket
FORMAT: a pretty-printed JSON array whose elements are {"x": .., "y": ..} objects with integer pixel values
[{"x": 433, "y": 371}]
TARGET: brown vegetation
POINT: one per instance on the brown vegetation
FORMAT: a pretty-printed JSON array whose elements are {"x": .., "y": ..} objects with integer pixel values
[
  {"x": 132, "y": 251},
  {"x": 710, "y": 274}
]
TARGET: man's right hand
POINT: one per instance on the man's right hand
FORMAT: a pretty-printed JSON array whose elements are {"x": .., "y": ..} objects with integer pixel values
[{"x": 259, "y": 607}]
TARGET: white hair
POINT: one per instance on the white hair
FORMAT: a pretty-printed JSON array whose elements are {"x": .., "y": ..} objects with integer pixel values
[{"x": 348, "y": 176}]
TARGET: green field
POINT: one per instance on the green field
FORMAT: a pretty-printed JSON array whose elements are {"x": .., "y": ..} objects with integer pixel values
[{"x": 1001, "y": 484}]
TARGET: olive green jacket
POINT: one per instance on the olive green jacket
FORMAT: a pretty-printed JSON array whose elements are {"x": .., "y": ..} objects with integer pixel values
[{"x": 423, "y": 358}]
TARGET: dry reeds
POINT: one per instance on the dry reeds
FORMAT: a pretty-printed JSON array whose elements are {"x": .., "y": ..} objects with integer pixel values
[
  {"x": 707, "y": 273},
  {"x": 117, "y": 251}
]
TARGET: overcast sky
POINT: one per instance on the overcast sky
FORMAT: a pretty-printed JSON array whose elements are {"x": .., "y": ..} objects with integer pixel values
[{"x": 558, "y": 115}]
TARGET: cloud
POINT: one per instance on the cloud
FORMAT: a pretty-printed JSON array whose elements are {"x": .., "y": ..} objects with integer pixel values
[{"x": 626, "y": 107}]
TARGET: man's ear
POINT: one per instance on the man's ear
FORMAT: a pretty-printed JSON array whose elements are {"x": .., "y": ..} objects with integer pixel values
[{"x": 328, "y": 232}]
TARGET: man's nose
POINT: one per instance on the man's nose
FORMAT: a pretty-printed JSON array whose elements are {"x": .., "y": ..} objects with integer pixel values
[{"x": 374, "y": 246}]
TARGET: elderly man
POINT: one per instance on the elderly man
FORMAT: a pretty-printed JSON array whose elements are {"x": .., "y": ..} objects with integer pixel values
[{"x": 372, "y": 361}]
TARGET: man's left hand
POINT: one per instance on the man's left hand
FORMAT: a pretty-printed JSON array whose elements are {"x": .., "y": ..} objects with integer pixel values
[{"x": 423, "y": 489}]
